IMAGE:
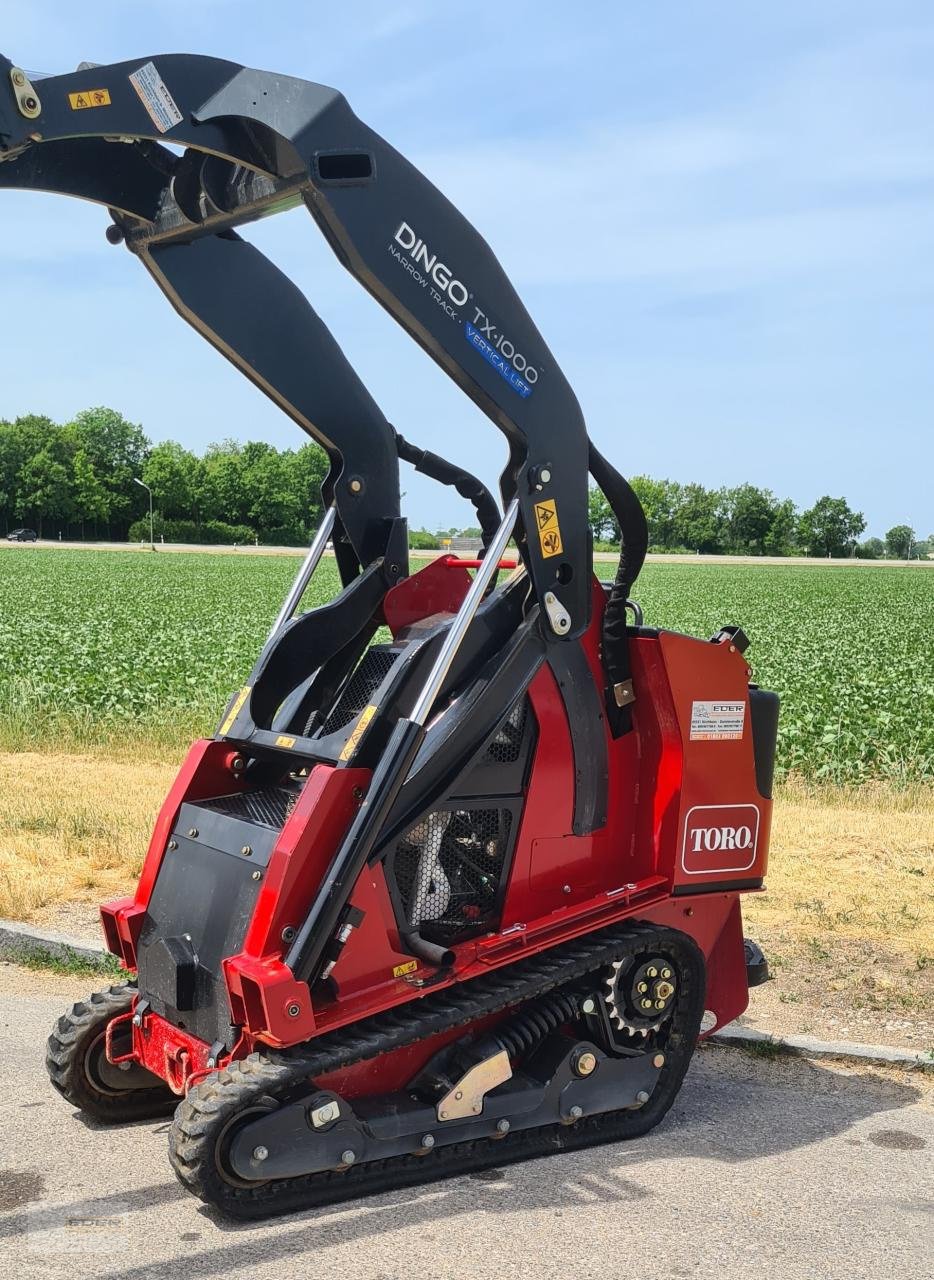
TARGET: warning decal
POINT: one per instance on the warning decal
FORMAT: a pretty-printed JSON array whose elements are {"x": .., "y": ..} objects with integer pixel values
[
  {"x": 235, "y": 709},
  {"x": 402, "y": 969},
  {"x": 155, "y": 97},
  {"x": 359, "y": 729},
  {"x": 89, "y": 98},
  {"x": 717, "y": 721},
  {"x": 549, "y": 532}
]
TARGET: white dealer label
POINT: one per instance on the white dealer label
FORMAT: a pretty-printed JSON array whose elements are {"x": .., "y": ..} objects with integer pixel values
[
  {"x": 155, "y": 97},
  {"x": 717, "y": 721}
]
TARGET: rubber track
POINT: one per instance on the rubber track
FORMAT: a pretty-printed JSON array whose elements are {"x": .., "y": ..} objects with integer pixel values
[{"x": 264, "y": 1080}]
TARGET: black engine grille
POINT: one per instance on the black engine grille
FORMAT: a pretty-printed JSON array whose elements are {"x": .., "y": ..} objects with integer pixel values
[
  {"x": 448, "y": 869},
  {"x": 372, "y": 670},
  {"x": 506, "y": 744},
  {"x": 267, "y": 806}
]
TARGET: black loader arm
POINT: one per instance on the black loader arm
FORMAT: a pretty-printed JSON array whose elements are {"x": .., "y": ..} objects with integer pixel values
[{"x": 256, "y": 143}]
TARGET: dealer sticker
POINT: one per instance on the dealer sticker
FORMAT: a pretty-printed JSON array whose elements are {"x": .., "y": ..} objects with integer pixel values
[
  {"x": 717, "y": 721},
  {"x": 155, "y": 97}
]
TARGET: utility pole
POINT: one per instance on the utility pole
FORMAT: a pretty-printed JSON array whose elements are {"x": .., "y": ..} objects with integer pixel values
[{"x": 152, "y": 541}]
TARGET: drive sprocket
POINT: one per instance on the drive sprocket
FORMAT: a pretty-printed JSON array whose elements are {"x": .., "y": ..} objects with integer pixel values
[{"x": 640, "y": 992}]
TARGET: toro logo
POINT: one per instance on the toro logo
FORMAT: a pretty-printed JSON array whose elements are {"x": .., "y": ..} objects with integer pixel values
[{"x": 720, "y": 837}]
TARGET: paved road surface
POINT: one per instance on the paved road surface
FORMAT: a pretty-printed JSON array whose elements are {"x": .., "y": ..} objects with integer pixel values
[{"x": 765, "y": 1169}]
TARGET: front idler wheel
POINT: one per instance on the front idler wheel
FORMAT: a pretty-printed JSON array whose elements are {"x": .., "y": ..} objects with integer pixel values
[{"x": 78, "y": 1066}]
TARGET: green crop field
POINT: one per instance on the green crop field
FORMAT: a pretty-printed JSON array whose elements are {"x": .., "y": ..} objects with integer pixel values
[{"x": 127, "y": 650}]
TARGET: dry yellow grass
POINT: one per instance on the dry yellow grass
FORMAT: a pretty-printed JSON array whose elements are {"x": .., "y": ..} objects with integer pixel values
[
  {"x": 851, "y": 878},
  {"x": 855, "y": 863},
  {"x": 72, "y": 828}
]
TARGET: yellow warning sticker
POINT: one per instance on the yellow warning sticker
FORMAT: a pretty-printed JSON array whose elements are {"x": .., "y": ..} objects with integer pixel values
[
  {"x": 350, "y": 746},
  {"x": 402, "y": 969},
  {"x": 284, "y": 740},
  {"x": 549, "y": 532},
  {"x": 89, "y": 98},
  {"x": 235, "y": 709}
]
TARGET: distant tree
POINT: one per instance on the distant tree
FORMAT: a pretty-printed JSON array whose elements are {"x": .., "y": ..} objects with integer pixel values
[
  {"x": 422, "y": 540},
  {"x": 870, "y": 549},
  {"x": 830, "y": 527},
  {"x": 698, "y": 519},
  {"x": 116, "y": 450},
  {"x": 780, "y": 539},
  {"x": 749, "y": 513},
  {"x": 44, "y": 490},
  {"x": 222, "y": 492},
  {"x": 659, "y": 500},
  {"x": 308, "y": 468},
  {"x": 89, "y": 497},
  {"x": 174, "y": 475},
  {"x": 899, "y": 541},
  {"x": 603, "y": 524}
]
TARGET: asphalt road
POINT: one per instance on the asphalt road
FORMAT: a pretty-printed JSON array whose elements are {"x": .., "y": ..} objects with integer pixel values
[{"x": 764, "y": 1169}]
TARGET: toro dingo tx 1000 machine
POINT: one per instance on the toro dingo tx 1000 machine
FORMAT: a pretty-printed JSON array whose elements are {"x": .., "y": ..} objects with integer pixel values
[{"x": 456, "y": 881}]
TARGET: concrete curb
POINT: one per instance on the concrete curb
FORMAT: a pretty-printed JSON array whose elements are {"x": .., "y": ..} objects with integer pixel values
[
  {"x": 27, "y": 942},
  {"x": 879, "y": 1055},
  {"x": 18, "y": 941}
]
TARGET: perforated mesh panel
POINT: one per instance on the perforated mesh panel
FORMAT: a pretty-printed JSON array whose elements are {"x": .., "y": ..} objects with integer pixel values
[
  {"x": 448, "y": 868},
  {"x": 268, "y": 806},
  {"x": 506, "y": 743},
  {"x": 371, "y": 671}
]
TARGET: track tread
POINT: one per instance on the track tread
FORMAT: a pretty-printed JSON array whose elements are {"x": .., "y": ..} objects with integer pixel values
[
  {"x": 73, "y": 1036},
  {"x": 216, "y": 1100}
]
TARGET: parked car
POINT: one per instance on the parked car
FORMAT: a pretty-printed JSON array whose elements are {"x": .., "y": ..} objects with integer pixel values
[{"x": 22, "y": 535}]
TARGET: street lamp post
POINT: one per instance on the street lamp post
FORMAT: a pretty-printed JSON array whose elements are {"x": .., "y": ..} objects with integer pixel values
[{"x": 152, "y": 541}]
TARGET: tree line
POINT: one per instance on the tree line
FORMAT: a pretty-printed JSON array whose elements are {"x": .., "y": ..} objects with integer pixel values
[
  {"x": 747, "y": 520},
  {"x": 77, "y": 480}
]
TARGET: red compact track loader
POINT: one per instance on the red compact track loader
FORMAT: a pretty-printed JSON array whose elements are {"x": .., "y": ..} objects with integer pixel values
[{"x": 457, "y": 880}]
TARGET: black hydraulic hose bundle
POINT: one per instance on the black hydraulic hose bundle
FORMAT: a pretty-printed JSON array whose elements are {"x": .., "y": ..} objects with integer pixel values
[
  {"x": 468, "y": 486},
  {"x": 634, "y": 543}
]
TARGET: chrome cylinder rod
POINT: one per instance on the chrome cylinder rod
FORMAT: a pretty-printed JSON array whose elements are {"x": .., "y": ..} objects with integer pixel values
[
  {"x": 304, "y": 575},
  {"x": 464, "y": 616}
]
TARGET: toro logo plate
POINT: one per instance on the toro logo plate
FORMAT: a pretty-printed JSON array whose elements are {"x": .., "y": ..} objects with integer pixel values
[{"x": 720, "y": 837}]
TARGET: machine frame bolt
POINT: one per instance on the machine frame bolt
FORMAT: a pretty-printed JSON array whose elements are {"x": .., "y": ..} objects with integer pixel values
[
  {"x": 294, "y": 1010},
  {"x": 257, "y": 875},
  {"x": 247, "y": 851},
  {"x": 642, "y": 1096},
  {"x": 503, "y": 1126},
  {"x": 260, "y": 1153},
  {"x": 588, "y": 1006},
  {"x": 288, "y": 933},
  {"x": 658, "y": 1060},
  {"x": 576, "y": 1112},
  {"x": 18, "y": 78},
  {"x": 173, "y": 844},
  {"x": 428, "y": 1140},
  {"x": 193, "y": 833},
  {"x": 348, "y": 1156},
  {"x": 585, "y": 1063}
]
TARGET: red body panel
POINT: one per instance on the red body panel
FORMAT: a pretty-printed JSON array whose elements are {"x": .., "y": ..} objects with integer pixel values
[{"x": 686, "y": 829}]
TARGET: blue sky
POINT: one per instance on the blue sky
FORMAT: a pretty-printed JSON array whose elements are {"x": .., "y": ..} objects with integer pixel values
[{"x": 721, "y": 216}]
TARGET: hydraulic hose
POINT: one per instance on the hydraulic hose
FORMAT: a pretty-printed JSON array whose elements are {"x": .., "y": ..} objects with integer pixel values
[
  {"x": 468, "y": 486},
  {"x": 634, "y": 532}
]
